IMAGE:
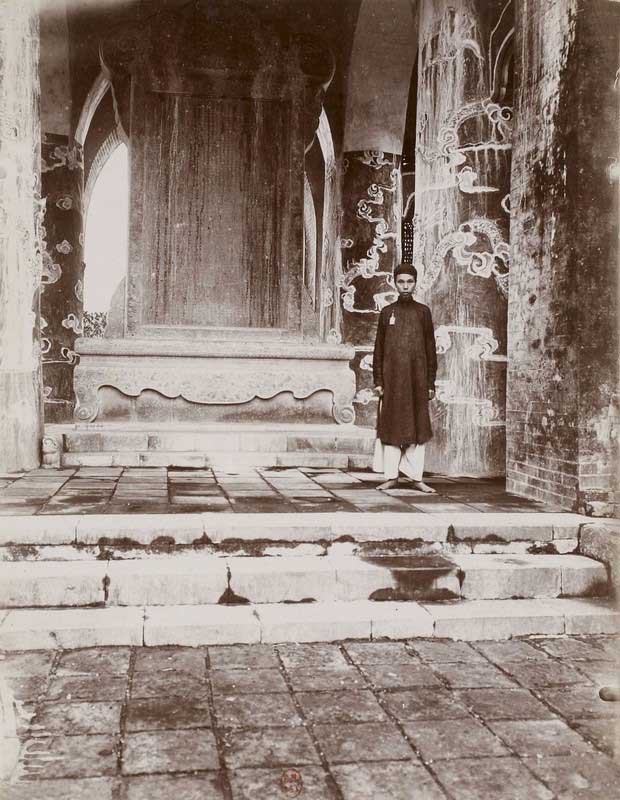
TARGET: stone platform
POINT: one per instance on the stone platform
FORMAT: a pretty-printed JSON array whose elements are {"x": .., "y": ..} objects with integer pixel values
[
  {"x": 116, "y": 490},
  {"x": 102, "y": 556},
  {"x": 241, "y": 446}
]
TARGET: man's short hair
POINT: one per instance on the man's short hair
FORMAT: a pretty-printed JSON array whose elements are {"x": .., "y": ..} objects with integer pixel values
[{"x": 406, "y": 269}]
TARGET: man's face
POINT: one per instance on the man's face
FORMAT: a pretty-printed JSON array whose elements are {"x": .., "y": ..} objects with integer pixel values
[{"x": 405, "y": 284}]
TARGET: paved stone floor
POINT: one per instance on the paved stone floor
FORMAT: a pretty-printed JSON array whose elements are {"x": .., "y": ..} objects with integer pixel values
[
  {"x": 417, "y": 720},
  {"x": 119, "y": 490}
]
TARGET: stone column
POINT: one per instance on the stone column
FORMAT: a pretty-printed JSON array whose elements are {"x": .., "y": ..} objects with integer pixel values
[
  {"x": 461, "y": 223},
  {"x": 370, "y": 248},
  {"x": 63, "y": 272},
  {"x": 20, "y": 236},
  {"x": 562, "y": 397}
]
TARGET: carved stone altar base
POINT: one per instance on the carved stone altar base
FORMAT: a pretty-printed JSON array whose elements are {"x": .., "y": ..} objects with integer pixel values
[{"x": 222, "y": 373}]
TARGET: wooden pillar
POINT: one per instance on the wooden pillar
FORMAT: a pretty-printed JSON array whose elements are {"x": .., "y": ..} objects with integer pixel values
[
  {"x": 63, "y": 273},
  {"x": 20, "y": 236},
  {"x": 370, "y": 247},
  {"x": 462, "y": 183}
]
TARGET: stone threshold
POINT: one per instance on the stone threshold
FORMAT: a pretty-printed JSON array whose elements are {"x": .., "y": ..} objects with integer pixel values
[
  {"x": 28, "y": 629},
  {"x": 215, "y": 528}
]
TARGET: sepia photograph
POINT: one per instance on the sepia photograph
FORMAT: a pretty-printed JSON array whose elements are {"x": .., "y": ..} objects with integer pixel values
[{"x": 309, "y": 399}]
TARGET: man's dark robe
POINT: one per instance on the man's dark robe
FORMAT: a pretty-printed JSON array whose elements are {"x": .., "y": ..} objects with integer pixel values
[{"x": 405, "y": 365}]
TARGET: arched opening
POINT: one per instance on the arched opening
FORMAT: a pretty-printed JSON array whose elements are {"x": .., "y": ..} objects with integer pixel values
[
  {"x": 105, "y": 240},
  {"x": 314, "y": 201}
]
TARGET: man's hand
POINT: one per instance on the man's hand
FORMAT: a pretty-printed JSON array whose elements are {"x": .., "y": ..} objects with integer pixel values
[
  {"x": 379, "y": 391},
  {"x": 431, "y": 394}
]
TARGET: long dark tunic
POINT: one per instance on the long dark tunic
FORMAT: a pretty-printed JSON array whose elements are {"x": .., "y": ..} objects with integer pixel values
[{"x": 405, "y": 365}]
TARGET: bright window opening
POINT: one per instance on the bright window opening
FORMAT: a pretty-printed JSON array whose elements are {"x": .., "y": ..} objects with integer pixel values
[{"x": 106, "y": 233}]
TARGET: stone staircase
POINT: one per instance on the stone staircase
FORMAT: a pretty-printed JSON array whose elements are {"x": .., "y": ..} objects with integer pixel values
[
  {"x": 195, "y": 579},
  {"x": 221, "y": 445}
]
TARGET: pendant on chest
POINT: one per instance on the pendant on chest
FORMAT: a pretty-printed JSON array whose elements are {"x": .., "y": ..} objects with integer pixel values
[{"x": 392, "y": 319}]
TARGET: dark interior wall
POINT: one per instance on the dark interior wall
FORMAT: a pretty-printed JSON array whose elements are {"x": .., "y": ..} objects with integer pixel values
[
  {"x": 332, "y": 21},
  {"x": 408, "y": 167}
]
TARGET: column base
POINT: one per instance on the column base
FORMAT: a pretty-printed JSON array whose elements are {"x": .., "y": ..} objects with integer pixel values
[{"x": 21, "y": 422}]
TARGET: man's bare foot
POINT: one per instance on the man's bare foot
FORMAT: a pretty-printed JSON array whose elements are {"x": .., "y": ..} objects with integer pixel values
[
  {"x": 423, "y": 487},
  {"x": 393, "y": 484}
]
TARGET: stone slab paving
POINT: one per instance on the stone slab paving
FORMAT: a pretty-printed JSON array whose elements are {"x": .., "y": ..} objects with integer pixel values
[
  {"x": 364, "y": 720},
  {"x": 170, "y": 490}
]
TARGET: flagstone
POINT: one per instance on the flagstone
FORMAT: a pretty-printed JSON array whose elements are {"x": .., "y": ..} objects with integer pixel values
[
  {"x": 163, "y": 712},
  {"x": 70, "y": 756},
  {"x": 255, "y": 711},
  {"x": 169, "y": 751},
  {"x": 539, "y": 738},
  {"x": 497, "y": 778},
  {"x": 255, "y": 656},
  {"x": 455, "y": 738},
  {"x": 71, "y": 719},
  {"x": 64, "y": 789},
  {"x": 341, "y": 707},
  {"x": 366, "y": 741},
  {"x": 310, "y": 783},
  {"x": 163, "y": 787},
  {"x": 269, "y": 747},
  {"x": 493, "y": 703}
]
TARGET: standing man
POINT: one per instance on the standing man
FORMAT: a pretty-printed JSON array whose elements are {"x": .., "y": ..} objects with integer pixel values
[{"x": 404, "y": 370}]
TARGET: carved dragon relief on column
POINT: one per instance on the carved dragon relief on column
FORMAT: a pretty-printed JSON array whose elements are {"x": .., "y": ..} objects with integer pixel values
[{"x": 479, "y": 244}]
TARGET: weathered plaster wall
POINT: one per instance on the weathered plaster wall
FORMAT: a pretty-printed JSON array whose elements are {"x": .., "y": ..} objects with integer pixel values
[
  {"x": 562, "y": 397},
  {"x": 20, "y": 256}
]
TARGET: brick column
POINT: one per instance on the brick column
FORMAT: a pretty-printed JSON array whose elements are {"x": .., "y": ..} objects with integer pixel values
[
  {"x": 20, "y": 236},
  {"x": 562, "y": 396},
  {"x": 370, "y": 247},
  {"x": 462, "y": 174},
  {"x": 63, "y": 273}
]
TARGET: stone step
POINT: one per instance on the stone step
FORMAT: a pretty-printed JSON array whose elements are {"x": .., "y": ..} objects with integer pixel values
[
  {"x": 463, "y": 531},
  {"x": 34, "y": 629},
  {"x": 225, "y": 446},
  {"x": 200, "y": 579},
  {"x": 224, "y": 460},
  {"x": 219, "y": 439}
]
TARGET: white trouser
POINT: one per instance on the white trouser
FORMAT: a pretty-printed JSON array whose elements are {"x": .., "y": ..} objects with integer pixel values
[{"x": 409, "y": 461}]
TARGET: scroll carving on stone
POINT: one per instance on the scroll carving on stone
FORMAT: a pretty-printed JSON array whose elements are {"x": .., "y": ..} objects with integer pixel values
[{"x": 219, "y": 380}]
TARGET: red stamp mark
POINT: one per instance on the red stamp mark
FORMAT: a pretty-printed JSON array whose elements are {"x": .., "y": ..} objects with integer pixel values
[{"x": 291, "y": 783}]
